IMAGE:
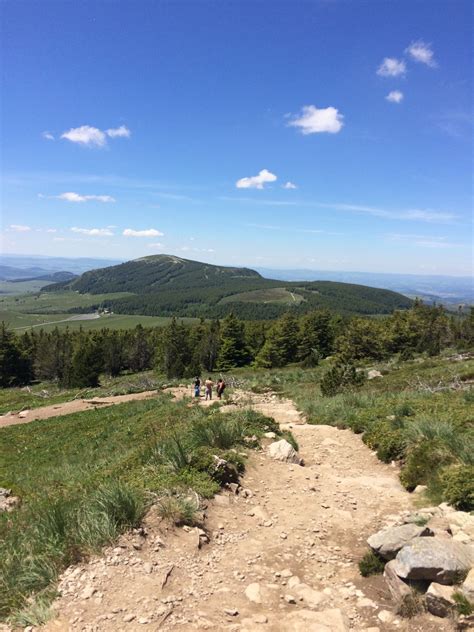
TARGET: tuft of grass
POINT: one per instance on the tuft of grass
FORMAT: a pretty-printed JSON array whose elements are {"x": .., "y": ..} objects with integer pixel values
[
  {"x": 411, "y": 605},
  {"x": 177, "y": 510},
  {"x": 463, "y": 605},
  {"x": 35, "y": 613},
  {"x": 371, "y": 564}
]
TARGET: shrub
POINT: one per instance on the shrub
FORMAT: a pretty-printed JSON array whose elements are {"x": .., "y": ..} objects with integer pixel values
[
  {"x": 340, "y": 377},
  {"x": 458, "y": 486},
  {"x": 411, "y": 605},
  {"x": 371, "y": 564},
  {"x": 387, "y": 441},
  {"x": 423, "y": 462},
  {"x": 220, "y": 432}
]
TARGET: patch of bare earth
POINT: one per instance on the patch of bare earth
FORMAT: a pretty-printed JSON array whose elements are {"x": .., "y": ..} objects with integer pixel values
[{"x": 282, "y": 554}]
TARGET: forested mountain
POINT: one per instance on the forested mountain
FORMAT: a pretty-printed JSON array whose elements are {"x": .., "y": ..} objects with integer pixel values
[{"x": 164, "y": 285}]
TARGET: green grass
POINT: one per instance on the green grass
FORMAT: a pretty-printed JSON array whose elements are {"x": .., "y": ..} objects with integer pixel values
[
  {"x": 7, "y": 288},
  {"x": 47, "y": 393},
  {"x": 86, "y": 477},
  {"x": 279, "y": 295}
]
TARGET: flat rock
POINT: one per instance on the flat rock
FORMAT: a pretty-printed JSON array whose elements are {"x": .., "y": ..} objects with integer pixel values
[
  {"x": 388, "y": 542},
  {"x": 434, "y": 559},
  {"x": 331, "y": 620},
  {"x": 312, "y": 598},
  {"x": 284, "y": 451},
  {"x": 439, "y": 599},
  {"x": 253, "y": 593}
]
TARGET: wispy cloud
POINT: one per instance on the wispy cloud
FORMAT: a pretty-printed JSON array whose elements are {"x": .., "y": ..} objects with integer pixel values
[
  {"x": 19, "y": 228},
  {"x": 395, "y": 96},
  {"x": 89, "y": 136},
  {"x": 149, "y": 232},
  {"x": 256, "y": 182},
  {"x": 312, "y": 231},
  {"x": 289, "y": 185},
  {"x": 70, "y": 196},
  {"x": 423, "y": 241},
  {"x": 47, "y": 135},
  {"x": 456, "y": 124},
  {"x": 421, "y": 215},
  {"x": 258, "y": 201},
  {"x": 93, "y": 232},
  {"x": 313, "y": 120},
  {"x": 392, "y": 67},
  {"x": 421, "y": 52}
]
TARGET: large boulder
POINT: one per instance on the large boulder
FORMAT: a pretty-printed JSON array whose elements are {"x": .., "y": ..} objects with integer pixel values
[
  {"x": 284, "y": 451},
  {"x": 398, "y": 589},
  {"x": 439, "y": 600},
  {"x": 434, "y": 559},
  {"x": 388, "y": 542}
]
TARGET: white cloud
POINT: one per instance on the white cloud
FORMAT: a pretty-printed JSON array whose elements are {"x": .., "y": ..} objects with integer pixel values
[
  {"x": 94, "y": 137},
  {"x": 118, "y": 132},
  {"x": 51, "y": 230},
  {"x": 149, "y": 232},
  {"x": 422, "y": 53},
  {"x": 70, "y": 196},
  {"x": 47, "y": 135},
  {"x": 289, "y": 185},
  {"x": 424, "y": 241},
  {"x": 420, "y": 215},
  {"x": 313, "y": 120},
  {"x": 256, "y": 182},
  {"x": 19, "y": 228},
  {"x": 93, "y": 232},
  {"x": 391, "y": 67},
  {"x": 395, "y": 96},
  {"x": 86, "y": 135}
]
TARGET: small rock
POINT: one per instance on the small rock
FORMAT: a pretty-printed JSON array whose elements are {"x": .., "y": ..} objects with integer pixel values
[
  {"x": 420, "y": 489},
  {"x": 143, "y": 620},
  {"x": 252, "y": 592},
  {"x": 128, "y": 617},
  {"x": 232, "y": 612},
  {"x": 467, "y": 587},
  {"x": 439, "y": 599},
  {"x": 372, "y": 374},
  {"x": 259, "y": 618},
  {"x": 88, "y": 592},
  {"x": 385, "y": 616},
  {"x": 290, "y": 599},
  {"x": 284, "y": 451}
]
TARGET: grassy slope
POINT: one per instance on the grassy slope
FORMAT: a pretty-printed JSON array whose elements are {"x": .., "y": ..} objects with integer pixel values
[
  {"x": 54, "y": 303},
  {"x": 273, "y": 295},
  {"x": 47, "y": 394},
  {"x": 84, "y": 478}
]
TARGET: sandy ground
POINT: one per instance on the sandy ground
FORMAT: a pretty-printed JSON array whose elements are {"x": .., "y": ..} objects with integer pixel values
[{"x": 282, "y": 553}]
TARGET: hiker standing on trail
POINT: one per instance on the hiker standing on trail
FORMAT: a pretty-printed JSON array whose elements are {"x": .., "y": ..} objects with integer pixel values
[
  {"x": 209, "y": 384},
  {"x": 197, "y": 387},
  {"x": 220, "y": 388}
]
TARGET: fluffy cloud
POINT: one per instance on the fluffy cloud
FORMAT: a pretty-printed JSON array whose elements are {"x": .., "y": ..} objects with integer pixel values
[
  {"x": 70, "y": 196},
  {"x": 313, "y": 120},
  {"x": 395, "y": 96},
  {"x": 93, "y": 232},
  {"x": 289, "y": 185},
  {"x": 93, "y": 137},
  {"x": 118, "y": 132},
  {"x": 256, "y": 182},
  {"x": 391, "y": 67},
  {"x": 47, "y": 135},
  {"x": 422, "y": 53},
  {"x": 149, "y": 232},
  {"x": 19, "y": 228}
]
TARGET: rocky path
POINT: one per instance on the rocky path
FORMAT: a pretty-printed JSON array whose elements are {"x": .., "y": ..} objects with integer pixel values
[
  {"x": 282, "y": 555},
  {"x": 67, "y": 408}
]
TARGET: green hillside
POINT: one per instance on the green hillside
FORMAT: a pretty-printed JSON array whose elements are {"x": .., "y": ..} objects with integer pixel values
[{"x": 164, "y": 285}]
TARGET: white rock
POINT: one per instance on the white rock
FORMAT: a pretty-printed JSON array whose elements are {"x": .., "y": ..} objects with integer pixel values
[
  {"x": 253, "y": 593},
  {"x": 385, "y": 616},
  {"x": 467, "y": 587},
  {"x": 283, "y": 451}
]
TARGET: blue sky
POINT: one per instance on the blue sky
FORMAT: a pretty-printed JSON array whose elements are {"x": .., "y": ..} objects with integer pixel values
[{"x": 325, "y": 134}]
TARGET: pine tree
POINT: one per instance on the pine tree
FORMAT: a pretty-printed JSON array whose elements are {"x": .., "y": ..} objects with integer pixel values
[
  {"x": 175, "y": 355},
  {"x": 13, "y": 365},
  {"x": 86, "y": 365},
  {"x": 233, "y": 351}
]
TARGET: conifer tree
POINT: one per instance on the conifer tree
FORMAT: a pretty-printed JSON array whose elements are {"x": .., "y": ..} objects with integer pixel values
[{"x": 233, "y": 351}]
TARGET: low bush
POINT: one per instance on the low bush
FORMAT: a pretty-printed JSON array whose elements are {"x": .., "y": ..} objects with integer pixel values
[
  {"x": 458, "y": 486},
  {"x": 463, "y": 605},
  {"x": 177, "y": 510},
  {"x": 423, "y": 462},
  {"x": 371, "y": 564}
]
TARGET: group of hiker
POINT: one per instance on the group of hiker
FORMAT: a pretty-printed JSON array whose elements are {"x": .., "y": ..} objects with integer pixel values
[{"x": 208, "y": 386}]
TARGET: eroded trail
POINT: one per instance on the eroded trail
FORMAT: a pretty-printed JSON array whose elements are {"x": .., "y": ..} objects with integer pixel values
[{"x": 282, "y": 554}]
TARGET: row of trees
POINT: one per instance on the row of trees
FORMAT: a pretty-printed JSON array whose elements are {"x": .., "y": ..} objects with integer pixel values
[{"x": 179, "y": 350}]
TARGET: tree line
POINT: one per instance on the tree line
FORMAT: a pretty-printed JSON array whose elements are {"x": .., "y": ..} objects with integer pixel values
[{"x": 78, "y": 358}]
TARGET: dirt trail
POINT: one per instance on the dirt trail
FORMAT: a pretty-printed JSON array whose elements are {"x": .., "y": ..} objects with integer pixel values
[
  {"x": 282, "y": 555},
  {"x": 67, "y": 408}
]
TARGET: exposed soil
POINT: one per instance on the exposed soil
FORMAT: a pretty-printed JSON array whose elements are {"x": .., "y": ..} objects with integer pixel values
[{"x": 282, "y": 554}]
